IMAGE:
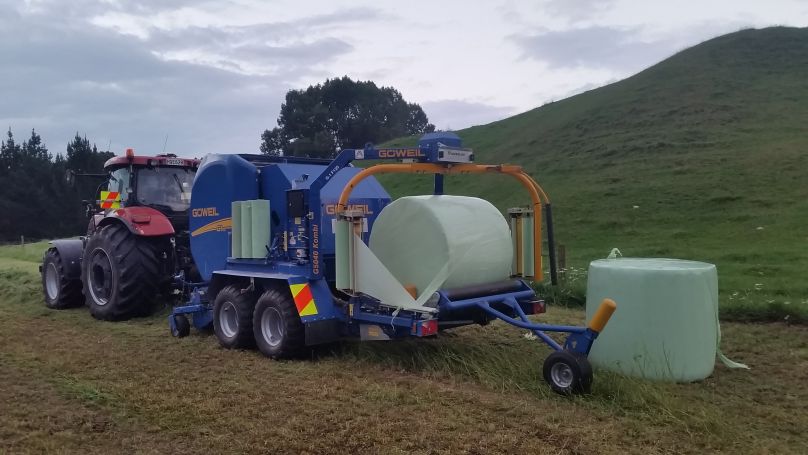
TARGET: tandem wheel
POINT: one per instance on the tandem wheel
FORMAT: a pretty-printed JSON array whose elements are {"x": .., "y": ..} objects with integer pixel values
[
  {"x": 181, "y": 327},
  {"x": 568, "y": 373}
]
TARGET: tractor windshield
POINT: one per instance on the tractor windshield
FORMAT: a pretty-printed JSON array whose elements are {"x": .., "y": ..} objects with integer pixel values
[
  {"x": 119, "y": 182},
  {"x": 165, "y": 188}
]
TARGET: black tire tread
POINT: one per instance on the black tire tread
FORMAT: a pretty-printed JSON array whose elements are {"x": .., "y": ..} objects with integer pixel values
[
  {"x": 294, "y": 343},
  {"x": 245, "y": 305},
  {"x": 137, "y": 260},
  {"x": 580, "y": 366},
  {"x": 183, "y": 326},
  {"x": 69, "y": 290}
]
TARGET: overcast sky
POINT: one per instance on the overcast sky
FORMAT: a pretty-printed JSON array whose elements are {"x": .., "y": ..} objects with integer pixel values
[{"x": 210, "y": 75}]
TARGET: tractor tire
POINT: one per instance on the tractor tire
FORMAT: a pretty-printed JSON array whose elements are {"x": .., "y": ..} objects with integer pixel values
[
  {"x": 278, "y": 331},
  {"x": 121, "y": 273},
  {"x": 233, "y": 318},
  {"x": 60, "y": 292}
]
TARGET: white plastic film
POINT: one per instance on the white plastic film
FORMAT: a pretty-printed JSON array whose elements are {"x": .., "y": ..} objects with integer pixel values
[
  {"x": 260, "y": 228},
  {"x": 666, "y": 323},
  {"x": 435, "y": 242},
  {"x": 235, "y": 232},
  {"x": 246, "y": 229},
  {"x": 372, "y": 278},
  {"x": 342, "y": 242}
]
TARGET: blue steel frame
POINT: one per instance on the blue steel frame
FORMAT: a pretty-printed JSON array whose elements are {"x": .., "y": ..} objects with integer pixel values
[
  {"x": 405, "y": 323},
  {"x": 345, "y": 158},
  {"x": 580, "y": 339},
  {"x": 291, "y": 270},
  {"x": 395, "y": 324},
  {"x": 400, "y": 323},
  {"x": 198, "y": 307}
]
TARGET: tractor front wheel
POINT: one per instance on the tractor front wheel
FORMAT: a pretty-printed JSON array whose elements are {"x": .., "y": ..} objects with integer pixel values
[
  {"x": 278, "y": 331},
  {"x": 121, "y": 273},
  {"x": 60, "y": 291}
]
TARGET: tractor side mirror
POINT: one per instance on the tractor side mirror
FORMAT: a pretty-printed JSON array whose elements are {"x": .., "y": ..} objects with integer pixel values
[
  {"x": 70, "y": 177},
  {"x": 89, "y": 208}
]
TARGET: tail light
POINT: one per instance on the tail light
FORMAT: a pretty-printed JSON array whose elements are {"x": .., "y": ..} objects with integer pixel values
[{"x": 425, "y": 328}]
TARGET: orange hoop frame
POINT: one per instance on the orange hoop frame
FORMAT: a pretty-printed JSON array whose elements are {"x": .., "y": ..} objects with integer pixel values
[{"x": 537, "y": 194}]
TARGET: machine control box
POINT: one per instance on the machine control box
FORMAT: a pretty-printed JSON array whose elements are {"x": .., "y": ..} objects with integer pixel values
[
  {"x": 296, "y": 203},
  {"x": 448, "y": 154}
]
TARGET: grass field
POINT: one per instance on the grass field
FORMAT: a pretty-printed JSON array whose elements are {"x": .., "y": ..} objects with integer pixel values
[
  {"x": 703, "y": 156},
  {"x": 73, "y": 384}
]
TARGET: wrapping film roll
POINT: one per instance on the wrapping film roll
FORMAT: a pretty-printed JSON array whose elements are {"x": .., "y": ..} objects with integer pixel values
[
  {"x": 246, "y": 229},
  {"x": 434, "y": 242},
  {"x": 666, "y": 326},
  {"x": 235, "y": 232},
  {"x": 250, "y": 231}
]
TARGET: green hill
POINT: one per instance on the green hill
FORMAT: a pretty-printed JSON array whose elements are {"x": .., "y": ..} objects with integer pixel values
[{"x": 702, "y": 156}]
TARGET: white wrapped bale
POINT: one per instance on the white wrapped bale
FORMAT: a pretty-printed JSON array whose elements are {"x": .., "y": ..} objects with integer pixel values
[
  {"x": 461, "y": 240},
  {"x": 666, "y": 323}
]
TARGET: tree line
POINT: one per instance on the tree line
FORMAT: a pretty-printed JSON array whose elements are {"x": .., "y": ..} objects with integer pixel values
[{"x": 36, "y": 200}]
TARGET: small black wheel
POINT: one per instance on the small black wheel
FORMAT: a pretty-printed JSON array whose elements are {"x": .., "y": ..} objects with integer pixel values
[
  {"x": 278, "y": 331},
  {"x": 60, "y": 291},
  {"x": 181, "y": 328},
  {"x": 568, "y": 373},
  {"x": 233, "y": 318}
]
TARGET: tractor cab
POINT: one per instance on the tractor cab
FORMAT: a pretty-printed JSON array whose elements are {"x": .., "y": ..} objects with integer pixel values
[{"x": 161, "y": 182}]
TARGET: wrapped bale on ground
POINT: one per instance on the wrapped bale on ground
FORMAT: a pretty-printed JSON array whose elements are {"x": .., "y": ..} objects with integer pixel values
[{"x": 667, "y": 325}]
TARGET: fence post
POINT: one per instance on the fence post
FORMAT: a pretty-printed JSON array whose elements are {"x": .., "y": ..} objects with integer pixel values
[{"x": 562, "y": 262}]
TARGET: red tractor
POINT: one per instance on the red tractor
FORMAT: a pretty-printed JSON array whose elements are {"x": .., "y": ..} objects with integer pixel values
[{"x": 137, "y": 240}]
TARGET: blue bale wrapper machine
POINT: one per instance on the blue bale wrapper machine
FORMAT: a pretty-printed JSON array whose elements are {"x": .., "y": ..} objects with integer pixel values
[{"x": 265, "y": 237}]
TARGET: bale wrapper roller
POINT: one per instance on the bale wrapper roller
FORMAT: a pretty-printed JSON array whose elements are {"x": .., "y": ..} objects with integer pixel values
[{"x": 302, "y": 252}]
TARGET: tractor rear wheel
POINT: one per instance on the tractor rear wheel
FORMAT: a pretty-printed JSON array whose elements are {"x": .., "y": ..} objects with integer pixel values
[
  {"x": 60, "y": 291},
  {"x": 233, "y": 318},
  {"x": 278, "y": 331},
  {"x": 121, "y": 273}
]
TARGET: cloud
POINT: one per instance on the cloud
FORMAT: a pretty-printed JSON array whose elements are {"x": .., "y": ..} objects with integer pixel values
[
  {"x": 256, "y": 48},
  {"x": 61, "y": 75},
  {"x": 577, "y": 10},
  {"x": 594, "y": 47},
  {"x": 259, "y": 58},
  {"x": 90, "y": 8},
  {"x": 212, "y": 74},
  {"x": 623, "y": 50},
  {"x": 458, "y": 114}
]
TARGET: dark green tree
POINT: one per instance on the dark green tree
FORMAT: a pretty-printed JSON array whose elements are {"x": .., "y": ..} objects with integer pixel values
[
  {"x": 27, "y": 196},
  {"x": 341, "y": 113},
  {"x": 35, "y": 199},
  {"x": 34, "y": 150},
  {"x": 272, "y": 142},
  {"x": 81, "y": 157},
  {"x": 10, "y": 205},
  {"x": 9, "y": 153}
]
